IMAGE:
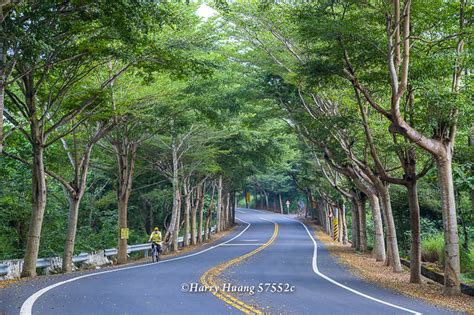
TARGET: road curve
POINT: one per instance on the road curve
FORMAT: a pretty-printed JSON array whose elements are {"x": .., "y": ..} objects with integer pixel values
[{"x": 266, "y": 248}]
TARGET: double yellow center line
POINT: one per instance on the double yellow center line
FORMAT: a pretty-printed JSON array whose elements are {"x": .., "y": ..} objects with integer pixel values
[{"x": 209, "y": 278}]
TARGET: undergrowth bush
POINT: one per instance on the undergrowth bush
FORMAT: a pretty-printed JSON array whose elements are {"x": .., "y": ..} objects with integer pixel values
[{"x": 432, "y": 248}]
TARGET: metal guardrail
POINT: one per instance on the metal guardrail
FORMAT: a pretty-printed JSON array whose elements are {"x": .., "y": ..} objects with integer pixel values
[
  {"x": 46, "y": 262},
  {"x": 43, "y": 262},
  {"x": 4, "y": 268},
  {"x": 80, "y": 258},
  {"x": 146, "y": 246}
]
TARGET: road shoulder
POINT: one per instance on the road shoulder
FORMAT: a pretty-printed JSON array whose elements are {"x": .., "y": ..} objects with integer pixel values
[
  {"x": 13, "y": 296},
  {"x": 364, "y": 266}
]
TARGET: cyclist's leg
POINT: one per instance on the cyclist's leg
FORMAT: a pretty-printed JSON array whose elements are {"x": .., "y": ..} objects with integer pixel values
[{"x": 153, "y": 252}]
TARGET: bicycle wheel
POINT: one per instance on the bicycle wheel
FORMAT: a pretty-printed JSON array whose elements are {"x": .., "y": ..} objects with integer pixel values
[{"x": 153, "y": 253}]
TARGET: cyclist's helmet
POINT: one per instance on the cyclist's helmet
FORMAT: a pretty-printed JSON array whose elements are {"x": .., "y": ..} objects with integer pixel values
[{"x": 156, "y": 229}]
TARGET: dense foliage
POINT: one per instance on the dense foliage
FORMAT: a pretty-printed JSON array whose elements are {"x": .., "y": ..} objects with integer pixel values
[{"x": 135, "y": 114}]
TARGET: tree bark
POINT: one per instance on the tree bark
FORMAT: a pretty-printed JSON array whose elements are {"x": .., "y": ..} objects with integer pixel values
[
  {"x": 379, "y": 242},
  {"x": 39, "y": 193},
  {"x": 201, "y": 212},
  {"x": 74, "y": 202},
  {"x": 233, "y": 209},
  {"x": 345, "y": 237},
  {"x": 266, "y": 200},
  {"x": 126, "y": 153},
  {"x": 178, "y": 225},
  {"x": 324, "y": 217},
  {"x": 172, "y": 233},
  {"x": 281, "y": 203},
  {"x": 340, "y": 224},
  {"x": 75, "y": 191},
  {"x": 219, "y": 204},
  {"x": 393, "y": 254},
  {"x": 187, "y": 210},
  {"x": 209, "y": 213},
  {"x": 415, "y": 251},
  {"x": 451, "y": 240},
  {"x": 2, "y": 104},
  {"x": 362, "y": 224},
  {"x": 3, "y": 79},
  {"x": 193, "y": 216},
  {"x": 355, "y": 226},
  {"x": 229, "y": 210},
  {"x": 225, "y": 217},
  {"x": 328, "y": 220}
]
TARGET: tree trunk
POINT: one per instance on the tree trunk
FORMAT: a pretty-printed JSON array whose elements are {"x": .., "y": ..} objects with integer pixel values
[
  {"x": 379, "y": 242},
  {"x": 201, "y": 212},
  {"x": 229, "y": 209},
  {"x": 281, "y": 203},
  {"x": 362, "y": 224},
  {"x": 2, "y": 104},
  {"x": 451, "y": 239},
  {"x": 415, "y": 252},
  {"x": 126, "y": 165},
  {"x": 324, "y": 216},
  {"x": 355, "y": 226},
  {"x": 74, "y": 202},
  {"x": 328, "y": 220},
  {"x": 340, "y": 224},
  {"x": 394, "y": 255},
  {"x": 178, "y": 223},
  {"x": 470, "y": 141},
  {"x": 187, "y": 210},
  {"x": 39, "y": 193},
  {"x": 3, "y": 79},
  {"x": 225, "y": 210},
  {"x": 233, "y": 209},
  {"x": 219, "y": 204},
  {"x": 345, "y": 237},
  {"x": 193, "y": 217},
  {"x": 266, "y": 200},
  {"x": 209, "y": 213},
  {"x": 172, "y": 233},
  {"x": 122, "y": 223}
]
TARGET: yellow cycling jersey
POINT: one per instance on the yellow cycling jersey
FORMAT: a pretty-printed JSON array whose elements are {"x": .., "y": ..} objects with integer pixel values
[{"x": 155, "y": 237}]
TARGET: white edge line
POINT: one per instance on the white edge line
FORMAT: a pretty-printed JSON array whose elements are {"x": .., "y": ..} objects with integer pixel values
[
  {"x": 27, "y": 306},
  {"x": 246, "y": 244},
  {"x": 319, "y": 273}
]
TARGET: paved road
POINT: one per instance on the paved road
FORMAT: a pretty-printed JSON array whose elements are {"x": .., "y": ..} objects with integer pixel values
[{"x": 265, "y": 248}]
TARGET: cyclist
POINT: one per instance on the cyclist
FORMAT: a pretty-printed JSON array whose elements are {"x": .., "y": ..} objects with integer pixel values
[{"x": 155, "y": 239}]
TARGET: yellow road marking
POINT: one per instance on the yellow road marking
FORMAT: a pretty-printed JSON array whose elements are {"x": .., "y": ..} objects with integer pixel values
[{"x": 209, "y": 278}]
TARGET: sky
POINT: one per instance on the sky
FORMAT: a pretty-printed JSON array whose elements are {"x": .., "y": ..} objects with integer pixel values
[{"x": 205, "y": 11}]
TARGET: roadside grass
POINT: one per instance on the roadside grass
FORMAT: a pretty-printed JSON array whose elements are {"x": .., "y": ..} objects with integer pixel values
[{"x": 432, "y": 251}]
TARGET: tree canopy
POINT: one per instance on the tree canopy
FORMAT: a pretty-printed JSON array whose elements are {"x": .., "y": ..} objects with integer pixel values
[{"x": 124, "y": 115}]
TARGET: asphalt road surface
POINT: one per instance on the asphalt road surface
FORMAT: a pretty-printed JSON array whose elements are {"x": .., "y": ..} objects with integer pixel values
[{"x": 270, "y": 264}]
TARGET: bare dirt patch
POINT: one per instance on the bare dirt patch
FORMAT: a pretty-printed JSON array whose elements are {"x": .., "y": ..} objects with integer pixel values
[{"x": 364, "y": 266}]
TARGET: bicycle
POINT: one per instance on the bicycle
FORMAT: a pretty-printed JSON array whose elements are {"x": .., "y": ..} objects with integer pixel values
[{"x": 155, "y": 252}]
